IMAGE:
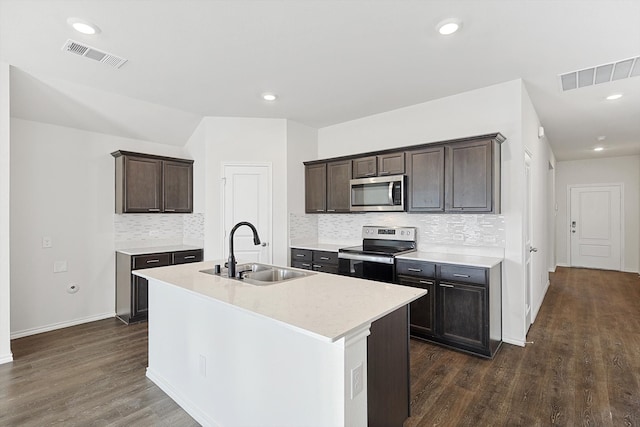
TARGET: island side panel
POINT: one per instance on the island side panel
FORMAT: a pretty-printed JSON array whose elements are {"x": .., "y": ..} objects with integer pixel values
[{"x": 226, "y": 366}]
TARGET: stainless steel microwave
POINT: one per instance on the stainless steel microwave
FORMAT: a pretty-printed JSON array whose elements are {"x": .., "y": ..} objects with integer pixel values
[{"x": 378, "y": 194}]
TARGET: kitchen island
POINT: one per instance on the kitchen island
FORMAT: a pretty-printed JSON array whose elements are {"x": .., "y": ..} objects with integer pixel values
[{"x": 288, "y": 354}]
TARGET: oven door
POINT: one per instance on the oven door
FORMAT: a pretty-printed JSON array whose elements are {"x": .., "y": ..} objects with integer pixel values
[{"x": 372, "y": 267}]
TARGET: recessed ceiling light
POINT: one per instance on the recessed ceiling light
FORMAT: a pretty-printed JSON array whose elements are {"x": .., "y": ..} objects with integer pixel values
[
  {"x": 601, "y": 138},
  {"x": 269, "y": 96},
  {"x": 598, "y": 149},
  {"x": 614, "y": 96},
  {"x": 449, "y": 26},
  {"x": 82, "y": 26}
]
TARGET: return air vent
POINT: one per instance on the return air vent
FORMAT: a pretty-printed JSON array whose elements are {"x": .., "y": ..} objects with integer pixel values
[
  {"x": 601, "y": 74},
  {"x": 93, "y": 53}
]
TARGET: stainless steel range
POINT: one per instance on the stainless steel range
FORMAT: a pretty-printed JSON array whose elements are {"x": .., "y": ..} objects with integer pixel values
[{"x": 375, "y": 258}]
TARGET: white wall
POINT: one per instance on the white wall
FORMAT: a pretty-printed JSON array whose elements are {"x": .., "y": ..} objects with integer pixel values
[
  {"x": 302, "y": 145},
  {"x": 610, "y": 170},
  {"x": 5, "y": 328},
  {"x": 243, "y": 140},
  {"x": 62, "y": 186},
  {"x": 495, "y": 108}
]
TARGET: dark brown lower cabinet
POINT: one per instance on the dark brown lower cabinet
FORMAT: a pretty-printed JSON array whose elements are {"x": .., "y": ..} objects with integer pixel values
[
  {"x": 322, "y": 261},
  {"x": 463, "y": 306},
  {"x": 388, "y": 370},
  {"x": 132, "y": 292}
]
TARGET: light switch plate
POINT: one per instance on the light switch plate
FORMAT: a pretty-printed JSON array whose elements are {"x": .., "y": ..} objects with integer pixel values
[{"x": 59, "y": 266}]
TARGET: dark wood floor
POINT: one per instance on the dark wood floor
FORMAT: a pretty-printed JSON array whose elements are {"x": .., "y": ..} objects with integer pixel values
[{"x": 583, "y": 368}]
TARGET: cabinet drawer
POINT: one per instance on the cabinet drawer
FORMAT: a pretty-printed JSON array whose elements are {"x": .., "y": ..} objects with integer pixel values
[
  {"x": 324, "y": 257},
  {"x": 149, "y": 261},
  {"x": 456, "y": 273},
  {"x": 301, "y": 255},
  {"x": 325, "y": 268},
  {"x": 415, "y": 268},
  {"x": 301, "y": 264},
  {"x": 184, "y": 257}
]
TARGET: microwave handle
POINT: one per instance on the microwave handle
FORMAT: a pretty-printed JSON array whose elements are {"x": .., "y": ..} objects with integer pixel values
[{"x": 390, "y": 193}]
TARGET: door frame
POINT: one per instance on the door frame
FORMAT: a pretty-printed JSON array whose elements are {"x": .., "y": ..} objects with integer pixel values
[
  {"x": 568, "y": 219},
  {"x": 223, "y": 166}
]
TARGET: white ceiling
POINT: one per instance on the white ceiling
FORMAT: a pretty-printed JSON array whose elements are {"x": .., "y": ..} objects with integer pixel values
[{"x": 329, "y": 61}]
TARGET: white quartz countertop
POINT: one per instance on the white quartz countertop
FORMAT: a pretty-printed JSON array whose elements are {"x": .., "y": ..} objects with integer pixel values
[
  {"x": 326, "y": 306},
  {"x": 157, "y": 249},
  {"x": 321, "y": 246},
  {"x": 452, "y": 258}
]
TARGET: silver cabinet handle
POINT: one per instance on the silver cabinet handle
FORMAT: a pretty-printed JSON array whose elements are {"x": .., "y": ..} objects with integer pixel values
[
  {"x": 304, "y": 264},
  {"x": 426, "y": 282},
  {"x": 317, "y": 266},
  {"x": 370, "y": 174},
  {"x": 446, "y": 286},
  {"x": 385, "y": 173},
  {"x": 300, "y": 255},
  {"x": 151, "y": 261},
  {"x": 190, "y": 257},
  {"x": 169, "y": 210},
  {"x": 324, "y": 258},
  {"x": 331, "y": 210},
  {"x": 461, "y": 275},
  {"x": 417, "y": 270},
  {"x": 319, "y": 210},
  {"x": 153, "y": 210}
]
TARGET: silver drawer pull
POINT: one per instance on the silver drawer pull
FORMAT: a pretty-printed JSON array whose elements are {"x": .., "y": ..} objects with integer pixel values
[
  {"x": 319, "y": 210},
  {"x": 461, "y": 275},
  {"x": 324, "y": 258},
  {"x": 153, "y": 210},
  {"x": 190, "y": 257},
  {"x": 306, "y": 265},
  {"x": 151, "y": 261},
  {"x": 300, "y": 255},
  {"x": 369, "y": 174},
  {"x": 331, "y": 210},
  {"x": 426, "y": 282},
  {"x": 417, "y": 270},
  {"x": 446, "y": 286},
  {"x": 169, "y": 210},
  {"x": 317, "y": 266}
]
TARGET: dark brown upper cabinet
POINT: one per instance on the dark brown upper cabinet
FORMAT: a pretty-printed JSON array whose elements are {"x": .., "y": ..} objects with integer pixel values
[
  {"x": 365, "y": 167},
  {"x": 425, "y": 180},
  {"x": 391, "y": 164},
  {"x": 327, "y": 187},
  {"x": 338, "y": 189},
  {"x": 473, "y": 177},
  {"x": 153, "y": 184},
  {"x": 315, "y": 188}
]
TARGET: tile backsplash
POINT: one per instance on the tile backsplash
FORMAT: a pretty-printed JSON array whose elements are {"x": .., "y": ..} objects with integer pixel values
[
  {"x": 147, "y": 230},
  {"x": 434, "y": 230}
]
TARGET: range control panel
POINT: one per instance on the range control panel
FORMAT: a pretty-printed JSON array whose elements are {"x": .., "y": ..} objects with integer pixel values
[{"x": 389, "y": 233}]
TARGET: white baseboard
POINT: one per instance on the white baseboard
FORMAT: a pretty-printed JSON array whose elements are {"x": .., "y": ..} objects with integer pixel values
[
  {"x": 561, "y": 264},
  {"x": 186, "y": 404},
  {"x": 553, "y": 269},
  {"x": 511, "y": 341},
  {"x": 6, "y": 358},
  {"x": 60, "y": 325}
]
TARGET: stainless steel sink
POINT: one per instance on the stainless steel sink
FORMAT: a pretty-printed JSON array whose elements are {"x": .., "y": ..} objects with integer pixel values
[{"x": 263, "y": 274}]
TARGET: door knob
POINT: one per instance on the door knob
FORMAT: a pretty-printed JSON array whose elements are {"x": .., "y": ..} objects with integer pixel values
[
  {"x": 264, "y": 244},
  {"x": 532, "y": 249}
]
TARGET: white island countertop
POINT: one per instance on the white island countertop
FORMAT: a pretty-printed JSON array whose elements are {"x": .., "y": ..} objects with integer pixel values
[
  {"x": 157, "y": 249},
  {"x": 453, "y": 258},
  {"x": 326, "y": 306}
]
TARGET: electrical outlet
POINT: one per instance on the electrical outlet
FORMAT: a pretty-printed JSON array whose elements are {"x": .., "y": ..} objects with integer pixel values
[
  {"x": 357, "y": 382},
  {"x": 47, "y": 242},
  {"x": 59, "y": 266}
]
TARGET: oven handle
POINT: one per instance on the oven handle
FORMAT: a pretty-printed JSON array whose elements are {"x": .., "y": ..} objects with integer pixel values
[{"x": 363, "y": 257}]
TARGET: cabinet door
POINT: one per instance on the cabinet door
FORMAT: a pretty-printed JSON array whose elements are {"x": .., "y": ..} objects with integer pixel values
[
  {"x": 178, "y": 187},
  {"x": 423, "y": 310},
  {"x": 365, "y": 167},
  {"x": 463, "y": 315},
  {"x": 142, "y": 184},
  {"x": 391, "y": 164},
  {"x": 338, "y": 189},
  {"x": 425, "y": 187},
  {"x": 315, "y": 187},
  {"x": 139, "y": 298},
  {"x": 469, "y": 177}
]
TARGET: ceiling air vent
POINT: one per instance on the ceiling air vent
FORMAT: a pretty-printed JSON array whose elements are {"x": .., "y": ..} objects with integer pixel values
[
  {"x": 601, "y": 74},
  {"x": 93, "y": 53}
]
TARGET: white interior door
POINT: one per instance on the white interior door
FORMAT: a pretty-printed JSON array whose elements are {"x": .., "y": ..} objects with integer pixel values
[
  {"x": 595, "y": 227},
  {"x": 247, "y": 197},
  {"x": 528, "y": 248}
]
